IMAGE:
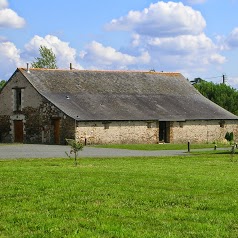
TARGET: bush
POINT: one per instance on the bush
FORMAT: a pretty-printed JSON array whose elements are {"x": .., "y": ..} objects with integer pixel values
[{"x": 229, "y": 137}]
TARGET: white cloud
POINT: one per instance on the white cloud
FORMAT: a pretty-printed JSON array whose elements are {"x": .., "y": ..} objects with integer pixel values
[
  {"x": 161, "y": 20},
  {"x": 104, "y": 56},
  {"x": 232, "y": 39},
  {"x": 173, "y": 35},
  {"x": 10, "y": 19},
  {"x": 9, "y": 59},
  {"x": 3, "y": 4},
  {"x": 136, "y": 40},
  {"x": 217, "y": 59},
  {"x": 64, "y": 53},
  {"x": 184, "y": 44},
  {"x": 185, "y": 52},
  {"x": 9, "y": 55},
  {"x": 165, "y": 36}
]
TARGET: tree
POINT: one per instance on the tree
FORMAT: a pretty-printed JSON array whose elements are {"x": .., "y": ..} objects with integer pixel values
[
  {"x": 2, "y": 83},
  {"x": 47, "y": 59},
  {"x": 75, "y": 148},
  {"x": 196, "y": 80},
  {"x": 221, "y": 94}
]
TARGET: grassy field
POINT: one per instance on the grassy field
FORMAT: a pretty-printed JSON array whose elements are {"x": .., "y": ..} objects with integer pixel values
[
  {"x": 190, "y": 196},
  {"x": 161, "y": 146}
]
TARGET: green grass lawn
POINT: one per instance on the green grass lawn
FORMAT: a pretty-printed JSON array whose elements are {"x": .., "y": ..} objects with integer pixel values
[
  {"x": 160, "y": 146},
  {"x": 190, "y": 196}
]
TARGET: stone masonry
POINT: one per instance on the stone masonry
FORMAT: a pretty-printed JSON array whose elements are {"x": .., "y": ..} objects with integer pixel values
[
  {"x": 36, "y": 114},
  {"x": 202, "y": 131},
  {"x": 117, "y": 132},
  {"x": 44, "y": 123}
]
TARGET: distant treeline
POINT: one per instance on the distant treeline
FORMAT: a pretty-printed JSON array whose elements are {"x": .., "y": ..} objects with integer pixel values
[
  {"x": 221, "y": 94},
  {"x": 2, "y": 83}
]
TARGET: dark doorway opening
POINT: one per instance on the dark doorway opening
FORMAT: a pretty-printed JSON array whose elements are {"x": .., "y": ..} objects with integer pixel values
[
  {"x": 18, "y": 131},
  {"x": 164, "y": 131}
]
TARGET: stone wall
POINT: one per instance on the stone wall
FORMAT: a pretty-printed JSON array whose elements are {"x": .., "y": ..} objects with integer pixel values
[
  {"x": 5, "y": 129},
  {"x": 67, "y": 129},
  {"x": 39, "y": 126},
  {"x": 138, "y": 132},
  {"x": 32, "y": 129},
  {"x": 202, "y": 131},
  {"x": 117, "y": 132},
  {"x": 38, "y": 116},
  {"x": 36, "y": 113}
]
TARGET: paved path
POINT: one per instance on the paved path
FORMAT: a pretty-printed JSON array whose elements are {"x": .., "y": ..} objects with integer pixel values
[{"x": 52, "y": 151}]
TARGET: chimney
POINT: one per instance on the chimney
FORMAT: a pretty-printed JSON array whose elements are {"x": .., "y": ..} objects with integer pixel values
[
  {"x": 70, "y": 66},
  {"x": 27, "y": 68}
]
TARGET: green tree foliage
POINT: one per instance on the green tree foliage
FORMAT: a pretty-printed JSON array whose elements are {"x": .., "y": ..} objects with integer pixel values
[
  {"x": 47, "y": 59},
  {"x": 2, "y": 83},
  {"x": 229, "y": 136},
  {"x": 221, "y": 94}
]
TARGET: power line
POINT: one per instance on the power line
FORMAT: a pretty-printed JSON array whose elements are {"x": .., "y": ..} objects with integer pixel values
[
  {"x": 223, "y": 76},
  {"x": 214, "y": 77}
]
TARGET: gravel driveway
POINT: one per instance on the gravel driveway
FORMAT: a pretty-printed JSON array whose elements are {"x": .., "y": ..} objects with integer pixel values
[{"x": 51, "y": 151}]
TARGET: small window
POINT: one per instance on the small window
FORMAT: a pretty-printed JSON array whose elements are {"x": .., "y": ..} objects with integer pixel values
[
  {"x": 149, "y": 124},
  {"x": 181, "y": 124},
  {"x": 106, "y": 125},
  {"x": 18, "y": 99},
  {"x": 222, "y": 123}
]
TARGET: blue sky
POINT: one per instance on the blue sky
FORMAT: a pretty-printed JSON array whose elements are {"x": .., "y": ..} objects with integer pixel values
[{"x": 198, "y": 38}]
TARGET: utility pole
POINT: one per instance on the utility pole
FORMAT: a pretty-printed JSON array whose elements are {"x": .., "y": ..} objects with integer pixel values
[{"x": 223, "y": 79}]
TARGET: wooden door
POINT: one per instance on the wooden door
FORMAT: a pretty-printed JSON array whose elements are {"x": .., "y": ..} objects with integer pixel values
[
  {"x": 56, "y": 123},
  {"x": 18, "y": 131}
]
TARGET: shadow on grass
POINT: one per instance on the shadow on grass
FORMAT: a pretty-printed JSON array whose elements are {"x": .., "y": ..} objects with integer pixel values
[
  {"x": 226, "y": 153},
  {"x": 214, "y": 152}
]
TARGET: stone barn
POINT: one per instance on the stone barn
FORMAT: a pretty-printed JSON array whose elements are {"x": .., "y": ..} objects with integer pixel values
[{"x": 101, "y": 107}]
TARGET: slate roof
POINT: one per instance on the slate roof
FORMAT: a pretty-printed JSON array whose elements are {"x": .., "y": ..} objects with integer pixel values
[{"x": 88, "y": 95}]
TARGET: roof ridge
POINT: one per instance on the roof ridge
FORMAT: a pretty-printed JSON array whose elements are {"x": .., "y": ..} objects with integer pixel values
[{"x": 88, "y": 70}]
